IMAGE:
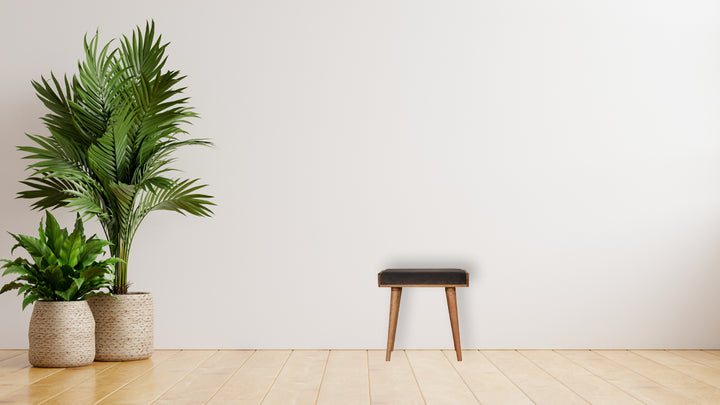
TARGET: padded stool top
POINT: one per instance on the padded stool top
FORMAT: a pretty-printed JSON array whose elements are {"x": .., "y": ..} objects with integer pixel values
[{"x": 423, "y": 278}]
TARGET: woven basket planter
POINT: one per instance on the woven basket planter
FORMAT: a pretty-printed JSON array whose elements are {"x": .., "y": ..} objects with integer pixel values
[
  {"x": 124, "y": 327},
  {"x": 61, "y": 334}
]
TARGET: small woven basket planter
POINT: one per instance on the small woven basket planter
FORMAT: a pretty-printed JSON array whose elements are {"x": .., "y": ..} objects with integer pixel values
[
  {"x": 61, "y": 334},
  {"x": 123, "y": 326}
]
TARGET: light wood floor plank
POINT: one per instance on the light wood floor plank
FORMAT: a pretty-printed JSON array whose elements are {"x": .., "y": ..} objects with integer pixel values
[
  {"x": 392, "y": 382},
  {"x": 299, "y": 381},
  {"x": 16, "y": 372},
  {"x": 13, "y": 364},
  {"x": 538, "y": 385},
  {"x": 202, "y": 383},
  {"x": 24, "y": 377},
  {"x": 96, "y": 388},
  {"x": 346, "y": 379},
  {"x": 55, "y": 384},
  {"x": 699, "y": 356},
  {"x": 253, "y": 380},
  {"x": 6, "y": 354},
  {"x": 438, "y": 381},
  {"x": 707, "y": 374},
  {"x": 666, "y": 376},
  {"x": 490, "y": 386},
  {"x": 152, "y": 384},
  {"x": 589, "y": 386},
  {"x": 714, "y": 352},
  {"x": 627, "y": 380}
]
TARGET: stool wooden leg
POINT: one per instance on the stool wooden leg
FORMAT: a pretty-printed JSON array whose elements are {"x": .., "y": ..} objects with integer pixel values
[
  {"x": 452, "y": 308},
  {"x": 392, "y": 327}
]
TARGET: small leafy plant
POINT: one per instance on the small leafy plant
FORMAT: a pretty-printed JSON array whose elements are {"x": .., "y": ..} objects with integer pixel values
[{"x": 64, "y": 266}]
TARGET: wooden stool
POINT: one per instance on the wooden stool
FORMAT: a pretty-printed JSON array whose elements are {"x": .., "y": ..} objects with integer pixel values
[{"x": 399, "y": 278}]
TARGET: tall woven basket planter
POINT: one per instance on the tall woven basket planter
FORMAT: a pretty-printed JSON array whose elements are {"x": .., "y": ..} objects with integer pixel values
[
  {"x": 61, "y": 334},
  {"x": 124, "y": 327}
]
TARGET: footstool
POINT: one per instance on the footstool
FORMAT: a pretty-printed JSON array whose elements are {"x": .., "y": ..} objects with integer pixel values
[{"x": 396, "y": 279}]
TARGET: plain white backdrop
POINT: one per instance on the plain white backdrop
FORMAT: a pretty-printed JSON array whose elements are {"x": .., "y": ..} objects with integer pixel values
[{"x": 566, "y": 153}]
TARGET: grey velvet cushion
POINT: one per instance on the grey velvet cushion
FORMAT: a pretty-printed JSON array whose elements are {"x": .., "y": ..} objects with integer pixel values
[{"x": 421, "y": 277}]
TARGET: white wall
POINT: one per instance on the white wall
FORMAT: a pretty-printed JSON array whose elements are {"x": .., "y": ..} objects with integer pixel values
[{"x": 567, "y": 153}]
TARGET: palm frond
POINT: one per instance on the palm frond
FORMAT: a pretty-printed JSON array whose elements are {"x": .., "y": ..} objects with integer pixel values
[
  {"x": 60, "y": 120},
  {"x": 48, "y": 192},
  {"x": 109, "y": 155},
  {"x": 182, "y": 198}
]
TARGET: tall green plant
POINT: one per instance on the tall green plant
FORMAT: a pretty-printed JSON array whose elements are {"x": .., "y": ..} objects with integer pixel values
[{"x": 113, "y": 130}]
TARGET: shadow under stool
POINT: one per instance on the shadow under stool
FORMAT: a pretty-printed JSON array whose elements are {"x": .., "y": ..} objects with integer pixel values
[{"x": 396, "y": 279}]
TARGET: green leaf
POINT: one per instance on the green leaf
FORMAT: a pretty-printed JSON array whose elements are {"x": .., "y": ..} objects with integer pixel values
[
  {"x": 69, "y": 294},
  {"x": 15, "y": 270},
  {"x": 55, "y": 236},
  {"x": 71, "y": 249},
  {"x": 89, "y": 252},
  {"x": 55, "y": 278},
  {"x": 10, "y": 286},
  {"x": 29, "y": 299}
]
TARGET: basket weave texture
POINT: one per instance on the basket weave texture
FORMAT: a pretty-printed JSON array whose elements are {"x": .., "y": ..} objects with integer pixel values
[
  {"x": 124, "y": 327},
  {"x": 61, "y": 334}
]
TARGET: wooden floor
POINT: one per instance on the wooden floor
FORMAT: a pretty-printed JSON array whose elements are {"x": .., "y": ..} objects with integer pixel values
[{"x": 502, "y": 377}]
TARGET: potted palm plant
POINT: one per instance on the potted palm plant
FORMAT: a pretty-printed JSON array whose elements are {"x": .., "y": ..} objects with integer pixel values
[
  {"x": 113, "y": 130},
  {"x": 64, "y": 271}
]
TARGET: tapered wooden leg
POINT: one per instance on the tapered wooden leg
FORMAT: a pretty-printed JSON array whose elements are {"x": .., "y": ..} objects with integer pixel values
[
  {"x": 452, "y": 309},
  {"x": 392, "y": 327}
]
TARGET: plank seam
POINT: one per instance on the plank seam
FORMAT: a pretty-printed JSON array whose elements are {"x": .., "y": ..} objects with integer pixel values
[
  {"x": 713, "y": 352},
  {"x": 367, "y": 366},
  {"x": 27, "y": 364},
  {"x": 675, "y": 353},
  {"x": 639, "y": 353},
  {"x": 217, "y": 352},
  {"x": 610, "y": 382},
  {"x": 322, "y": 378},
  {"x": 648, "y": 378},
  {"x": 147, "y": 371},
  {"x": 73, "y": 386},
  {"x": 507, "y": 377},
  {"x": 13, "y": 356},
  {"x": 555, "y": 378},
  {"x": 276, "y": 376},
  {"x": 446, "y": 355},
  {"x": 157, "y": 398},
  {"x": 412, "y": 371},
  {"x": 229, "y": 377},
  {"x": 663, "y": 366},
  {"x": 28, "y": 384}
]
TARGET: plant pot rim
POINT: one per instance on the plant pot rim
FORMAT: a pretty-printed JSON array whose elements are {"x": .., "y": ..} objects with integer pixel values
[
  {"x": 121, "y": 295},
  {"x": 62, "y": 301},
  {"x": 135, "y": 293}
]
